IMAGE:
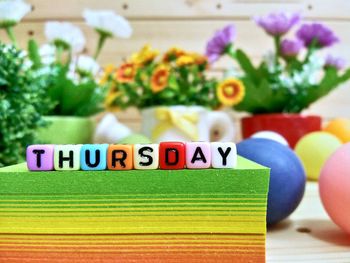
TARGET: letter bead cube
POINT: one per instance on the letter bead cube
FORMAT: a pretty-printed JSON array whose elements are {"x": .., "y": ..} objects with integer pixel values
[
  {"x": 67, "y": 157},
  {"x": 172, "y": 155},
  {"x": 146, "y": 156},
  {"x": 40, "y": 157},
  {"x": 223, "y": 155},
  {"x": 198, "y": 155},
  {"x": 120, "y": 157},
  {"x": 93, "y": 157}
]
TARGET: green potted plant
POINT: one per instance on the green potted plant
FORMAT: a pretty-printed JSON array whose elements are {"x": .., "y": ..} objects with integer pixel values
[
  {"x": 75, "y": 86},
  {"x": 22, "y": 103},
  {"x": 288, "y": 80},
  {"x": 73, "y": 78},
  {"x": 176, "y": 99}
]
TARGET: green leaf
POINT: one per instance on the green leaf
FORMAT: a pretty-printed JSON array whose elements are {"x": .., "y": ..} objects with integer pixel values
[
  {"x": 262, "y": 98},
  {"x": 345, "y": 77},
  {"x": 74, "y": 99},
  {"x": 76, "y": 95},
  {"x": 294, "y": 65},
  {"x": 93, "y": 105},
  {"x": 250, "y": 101},
  {"x": 167, "y": 94},
  {"x": 55, "y": 90},
  {"x": 247, "y": 66},
  {"x": 329, "y": 81},
  {"x": 173, "y": 84}
]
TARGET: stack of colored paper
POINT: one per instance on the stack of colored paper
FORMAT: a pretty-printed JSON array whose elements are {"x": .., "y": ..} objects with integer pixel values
[{"x": 209, "y": 215}]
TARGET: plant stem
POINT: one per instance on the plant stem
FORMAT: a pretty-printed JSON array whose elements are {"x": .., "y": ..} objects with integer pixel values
[
  {"x": 59, "y": 53},
  {"x": 101, "y": 41},
  {"x": 277, "y": 40},
  {"x": 69, "y": 55},
  {"x": 230, "y": 51},
  {"x": 310, "y": 50},
  {"x": 11, "y": 35},
  {"x": 290, "y": 62}
]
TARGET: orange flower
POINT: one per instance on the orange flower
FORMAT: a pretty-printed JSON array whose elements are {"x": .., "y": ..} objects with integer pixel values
[
  {"x": 230, "y": 92},
  {"x": 159, "y": 79},
  {"x": 126, "y": 73},
  {"x": 173, "y": 53}
]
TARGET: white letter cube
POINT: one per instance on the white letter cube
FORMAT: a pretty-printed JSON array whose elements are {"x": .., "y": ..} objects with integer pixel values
[
  {"x": 67, "y": 151},
  {"x": 223, "y": 155},
  {"x": 146, "y": 156}
]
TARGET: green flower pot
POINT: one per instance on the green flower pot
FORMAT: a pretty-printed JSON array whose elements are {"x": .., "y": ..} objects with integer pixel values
[{"x": 67, "y": 130}]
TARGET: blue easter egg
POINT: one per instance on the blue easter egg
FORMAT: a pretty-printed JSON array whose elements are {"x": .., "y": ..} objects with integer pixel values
[{"x": 287, "y": 179}]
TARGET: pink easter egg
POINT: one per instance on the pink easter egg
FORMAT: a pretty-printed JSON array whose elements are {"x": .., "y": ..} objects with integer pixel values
[{"x": 334, "y": 186}]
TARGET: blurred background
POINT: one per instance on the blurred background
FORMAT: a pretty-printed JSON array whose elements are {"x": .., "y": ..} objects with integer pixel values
[{"x": 189, "y": 24}]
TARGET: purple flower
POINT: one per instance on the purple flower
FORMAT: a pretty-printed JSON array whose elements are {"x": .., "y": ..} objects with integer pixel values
[
  {"x": 291, "y": 48},
  {"x": 278, "y": 24},
  {"x": 337, "y": 62},
  {"x": 318, "y": 33},
  {"x": 218, "y": 44}
]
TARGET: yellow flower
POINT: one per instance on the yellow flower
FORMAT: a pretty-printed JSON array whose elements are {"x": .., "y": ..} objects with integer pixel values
[
  {"x": 199, "y": 59},
  {"x": 159, "y": 79},
  {"x": 173, "y": 53},
  {"x": 111, "y": 96},
  {"x": 145, "y": 55},
  {"x": 185, "y": 60},
  {"x": 126, "y": 73},
  {"x": 109, "y": 68},
  {"x": 230, "y": 92},
  {"x": 107, "y": 72}
]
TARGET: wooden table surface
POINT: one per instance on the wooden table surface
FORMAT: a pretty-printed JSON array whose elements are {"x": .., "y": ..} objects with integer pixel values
[{"x": 308, "y": 235}]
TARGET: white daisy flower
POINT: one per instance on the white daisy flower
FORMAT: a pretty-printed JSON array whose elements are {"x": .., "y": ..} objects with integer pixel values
[
  {"x": 85, "y": 64},
  {"x": 12, "y": 11},
  {"x": 108, "y": 22},
  {"x": 66, "y": 34},
  {"x": 73, "y": 76},
  {"x": 47, "y": 53},
  {"x": 311, "y": 71}
]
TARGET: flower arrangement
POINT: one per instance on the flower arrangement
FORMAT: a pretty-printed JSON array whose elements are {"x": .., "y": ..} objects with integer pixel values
[
  {"x": 75, "y": 86},
  {"x": 72, "y": 77},
  {"x": 292, "y": 77},
  {"x": 55, "y": 79},
  {"x": 177, "y": 77}
]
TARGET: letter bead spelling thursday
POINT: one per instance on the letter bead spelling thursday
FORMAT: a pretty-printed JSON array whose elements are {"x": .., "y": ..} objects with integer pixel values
[{"x": 166, "y": 156}]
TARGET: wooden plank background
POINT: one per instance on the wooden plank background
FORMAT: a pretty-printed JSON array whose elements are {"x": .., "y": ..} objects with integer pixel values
[{"x": 189, "y": 23}]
